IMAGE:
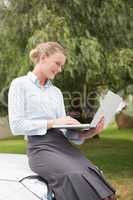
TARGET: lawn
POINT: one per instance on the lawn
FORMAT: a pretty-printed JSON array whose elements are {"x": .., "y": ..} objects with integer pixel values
[{"x": 112, "y": 153}]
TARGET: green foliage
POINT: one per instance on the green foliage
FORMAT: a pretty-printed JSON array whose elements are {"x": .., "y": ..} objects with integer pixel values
[
  {"x": 98, "y": 36},
  {"x": 120, "y": 68},
  {"x": 129, "y": 110}
]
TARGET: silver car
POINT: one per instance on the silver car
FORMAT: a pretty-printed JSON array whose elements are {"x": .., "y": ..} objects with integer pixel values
[{"x": 17, "y": 181}]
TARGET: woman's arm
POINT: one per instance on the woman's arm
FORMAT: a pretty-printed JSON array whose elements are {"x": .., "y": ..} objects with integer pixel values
[
  {"x": 71, "y": 135},
  {"x": 19, "y": 123},
  {"x": 92, "y": 131}
]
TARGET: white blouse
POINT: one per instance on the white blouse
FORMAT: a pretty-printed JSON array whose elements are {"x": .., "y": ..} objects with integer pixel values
[{"x": 30, "y": 106}]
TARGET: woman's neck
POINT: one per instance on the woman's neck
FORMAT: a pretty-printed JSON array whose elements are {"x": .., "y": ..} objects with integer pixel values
[{"x": 40, "y": 76}]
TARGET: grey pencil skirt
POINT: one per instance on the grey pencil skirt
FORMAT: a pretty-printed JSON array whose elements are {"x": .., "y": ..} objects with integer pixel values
[{"x": 70, "y": 175}]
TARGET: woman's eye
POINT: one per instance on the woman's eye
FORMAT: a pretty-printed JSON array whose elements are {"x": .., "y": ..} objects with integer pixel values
[{"x": 57, "y": 63}]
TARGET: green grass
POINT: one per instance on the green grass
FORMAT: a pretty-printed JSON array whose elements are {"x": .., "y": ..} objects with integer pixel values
[
  {"x": 13, "y": 145},
  {"x": 112, "y": 153}
]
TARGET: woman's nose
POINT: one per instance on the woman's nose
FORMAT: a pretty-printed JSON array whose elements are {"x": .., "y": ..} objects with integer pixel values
[{"x": 59, "y": 69}]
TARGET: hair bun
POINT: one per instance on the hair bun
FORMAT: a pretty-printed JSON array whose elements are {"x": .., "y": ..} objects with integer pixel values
[
  {"x": 34, "y": 55},
  {"x": 47, "y": 49}
]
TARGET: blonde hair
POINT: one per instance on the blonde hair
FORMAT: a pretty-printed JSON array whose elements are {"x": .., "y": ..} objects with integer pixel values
[{"x": 47, "y": 48}]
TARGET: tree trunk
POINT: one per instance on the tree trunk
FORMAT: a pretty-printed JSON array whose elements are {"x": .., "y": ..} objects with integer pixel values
[{"x": 124, "y": 121}]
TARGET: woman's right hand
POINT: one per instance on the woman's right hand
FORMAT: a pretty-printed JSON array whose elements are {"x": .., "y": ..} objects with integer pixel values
[{"x": 63, "y": 121}]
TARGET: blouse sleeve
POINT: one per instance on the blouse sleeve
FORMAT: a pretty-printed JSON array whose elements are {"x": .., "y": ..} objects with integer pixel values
[
  {"x": 71, "y": 135},
  {"x": 18, "y": 123}
]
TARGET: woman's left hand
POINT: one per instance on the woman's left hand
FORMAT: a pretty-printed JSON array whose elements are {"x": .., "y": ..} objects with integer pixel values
[{"x": 93, "y": 131}]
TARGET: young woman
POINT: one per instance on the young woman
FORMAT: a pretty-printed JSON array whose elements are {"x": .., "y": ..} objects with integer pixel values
[{"x": 35, "y": 105}]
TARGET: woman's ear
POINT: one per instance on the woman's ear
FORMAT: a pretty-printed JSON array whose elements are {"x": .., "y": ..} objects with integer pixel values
[{"x": 42, "y": 57}]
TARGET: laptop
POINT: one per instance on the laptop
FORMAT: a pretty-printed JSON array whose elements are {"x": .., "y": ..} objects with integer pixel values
[
  {"x": 78, "y": 127},
  {"x": 110, "y": 105}
]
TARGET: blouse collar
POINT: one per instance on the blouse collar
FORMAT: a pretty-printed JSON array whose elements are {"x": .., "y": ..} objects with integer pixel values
[{"x": 35, "y": 80}]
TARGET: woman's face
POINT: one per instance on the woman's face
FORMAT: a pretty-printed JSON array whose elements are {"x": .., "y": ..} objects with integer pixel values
[{"x": 52, "y": 65}]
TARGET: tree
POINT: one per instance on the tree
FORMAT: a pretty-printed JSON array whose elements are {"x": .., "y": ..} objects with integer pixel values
[{"x": 96, "y": 33}]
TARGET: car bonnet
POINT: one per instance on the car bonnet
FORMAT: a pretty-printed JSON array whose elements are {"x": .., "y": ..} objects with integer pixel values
[{"x": 14, "y": 167}]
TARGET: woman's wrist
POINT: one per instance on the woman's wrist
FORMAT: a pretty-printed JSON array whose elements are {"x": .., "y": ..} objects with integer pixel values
[
  {"x": 87, "y": 134},
  {"x": 50, "y": 123}
]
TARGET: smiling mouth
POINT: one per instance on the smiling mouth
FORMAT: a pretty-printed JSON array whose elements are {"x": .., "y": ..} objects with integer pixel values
[{"x": 54, "y": 72}]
